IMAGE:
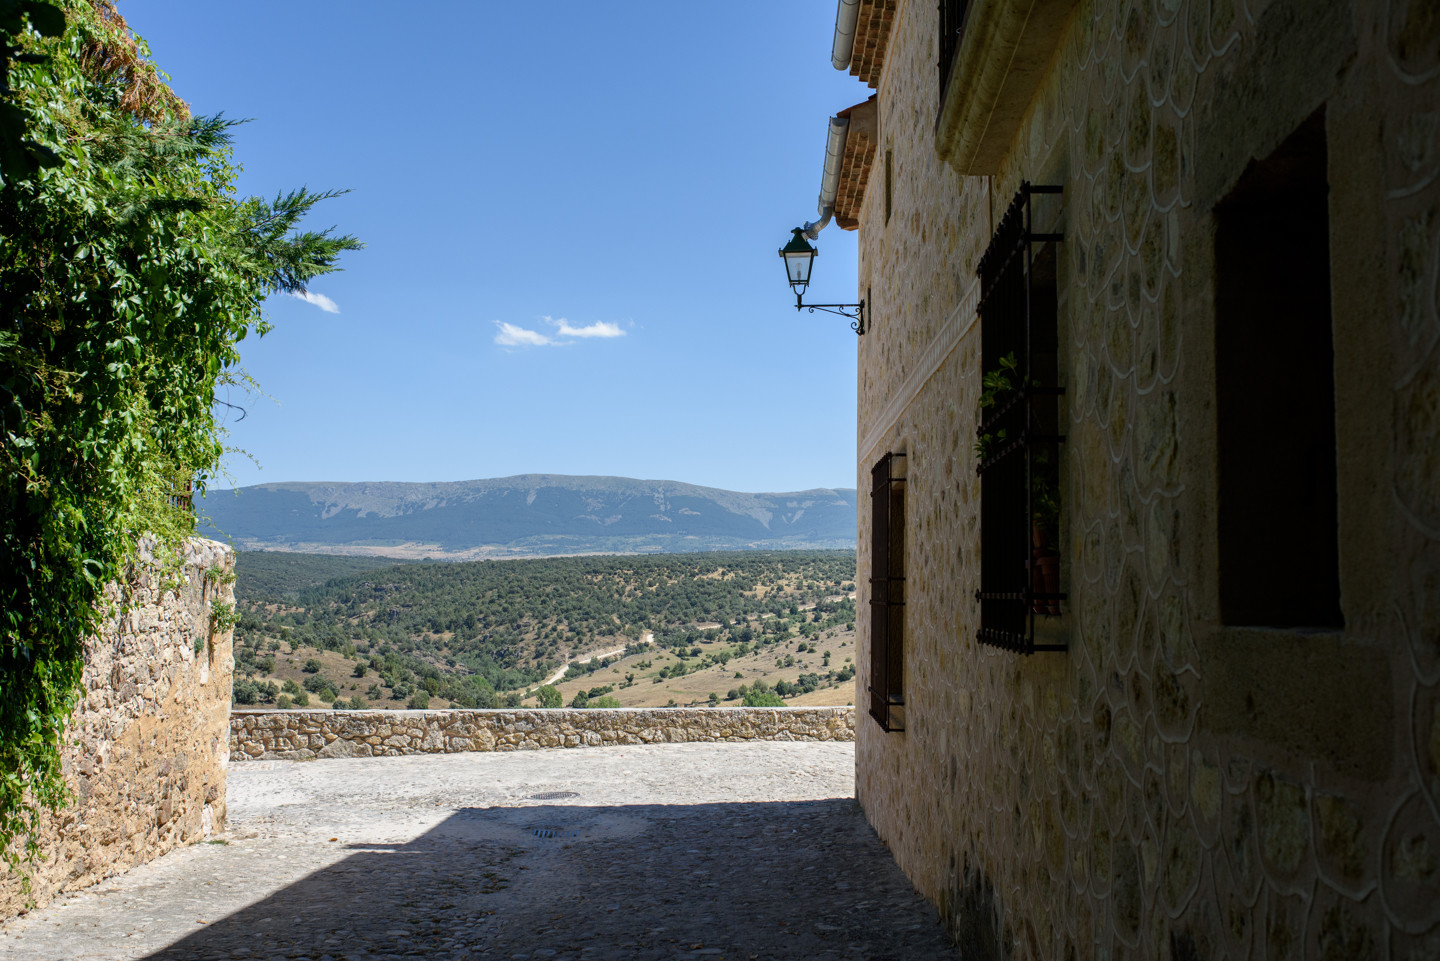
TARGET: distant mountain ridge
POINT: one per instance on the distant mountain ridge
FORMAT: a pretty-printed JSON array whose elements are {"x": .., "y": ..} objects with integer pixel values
[{"x": 525, "y": 515}]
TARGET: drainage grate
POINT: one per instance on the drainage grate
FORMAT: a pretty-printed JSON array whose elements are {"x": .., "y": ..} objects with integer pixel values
[
  {"x": 556, "y": 833},
  {"x": 552, "y": 796}
]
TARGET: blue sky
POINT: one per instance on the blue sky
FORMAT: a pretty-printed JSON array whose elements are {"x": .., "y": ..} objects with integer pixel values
[{"x": 611, "y": 179}]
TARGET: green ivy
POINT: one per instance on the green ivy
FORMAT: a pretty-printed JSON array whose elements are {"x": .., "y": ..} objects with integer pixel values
[
  {"x": 218, "y": 575},
  {"x": 130, "y": 273},
  {"x": 222, "y": 617}
]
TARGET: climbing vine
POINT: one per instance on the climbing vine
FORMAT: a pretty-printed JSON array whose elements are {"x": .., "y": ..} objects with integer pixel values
[{"x": 130, "y": 272}]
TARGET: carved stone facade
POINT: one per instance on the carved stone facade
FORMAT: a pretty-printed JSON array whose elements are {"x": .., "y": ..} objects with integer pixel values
[
  {"x": 301, "y": 735},
  {"x": 149, "y": 741},
  {"x": 1176, "y": 783}
]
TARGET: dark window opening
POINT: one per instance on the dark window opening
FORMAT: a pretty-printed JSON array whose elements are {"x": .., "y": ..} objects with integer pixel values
[
  {"x": 887, "y": 592},
  {"x": 889, "y": 182},
  {"x": 952, "y": 31},
  {"x": 1018, "y": 443},
  {"x": 1279, "y": 551}
]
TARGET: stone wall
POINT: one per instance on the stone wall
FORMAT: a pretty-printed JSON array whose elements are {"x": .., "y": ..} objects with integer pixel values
[
  {"x": 295, "y": 735},
  {"x": 148, "y": 740},
  {"x": 1171, "y": 786}
]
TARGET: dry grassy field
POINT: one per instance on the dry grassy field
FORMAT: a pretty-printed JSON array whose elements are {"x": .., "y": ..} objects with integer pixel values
[
  {"x": 635, "y": 679},
  {"x": 637, "y": 683}
]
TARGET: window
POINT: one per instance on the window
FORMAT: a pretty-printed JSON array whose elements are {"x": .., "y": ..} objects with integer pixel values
[
  {"x": 887, "y": 592},
  {"x": 183, "y": 493},
  {"x": 889, "y": 183},
  {"x": 1279, "y": 552},
  {"x": 952, "y": 29},
  {"x": 1018, "y": 440}
]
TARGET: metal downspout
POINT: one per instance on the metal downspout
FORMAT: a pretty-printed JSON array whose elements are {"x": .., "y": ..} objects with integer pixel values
[
  {"x": 846, "y": 13},
  {"x": 830, "y": 180}
]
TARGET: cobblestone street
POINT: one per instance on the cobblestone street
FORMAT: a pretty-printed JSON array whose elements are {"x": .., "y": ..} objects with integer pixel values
[{"x": 731, "y": 851}]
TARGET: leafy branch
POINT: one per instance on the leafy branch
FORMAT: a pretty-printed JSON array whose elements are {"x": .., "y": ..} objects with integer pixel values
[
  {"x": 996, "y": 388},
  {"x": 223, "y": 616},
  {"x": 998, "y": 385}
]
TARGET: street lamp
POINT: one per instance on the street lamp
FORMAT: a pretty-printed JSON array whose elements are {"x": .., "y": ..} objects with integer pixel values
[{"x": 799, "y": 257}]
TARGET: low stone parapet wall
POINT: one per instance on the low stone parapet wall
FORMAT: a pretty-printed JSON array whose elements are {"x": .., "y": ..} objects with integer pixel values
[{"x": 298, "y": 735}]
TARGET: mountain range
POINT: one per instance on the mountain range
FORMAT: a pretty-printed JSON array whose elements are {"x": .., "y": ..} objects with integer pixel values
[{"x": 526, "y": 515}]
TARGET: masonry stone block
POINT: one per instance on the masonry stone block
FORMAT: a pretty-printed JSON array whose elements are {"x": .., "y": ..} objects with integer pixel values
[{"x": 266, "y": 734}]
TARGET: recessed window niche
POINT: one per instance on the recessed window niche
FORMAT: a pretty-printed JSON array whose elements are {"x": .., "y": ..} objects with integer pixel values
[{"x": 1275, "y": 392}]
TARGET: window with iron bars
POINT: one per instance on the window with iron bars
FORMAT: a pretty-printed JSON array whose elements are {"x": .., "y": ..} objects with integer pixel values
[
  {"x": 952, "y": 30},
  {"x": 887, "y": 592},
  {"x": 1018, "y": 441},
  {"x": 182, "y": 494}
]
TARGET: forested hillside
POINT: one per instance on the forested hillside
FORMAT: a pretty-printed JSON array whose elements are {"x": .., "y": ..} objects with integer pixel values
[
  {"x": 528, "y": 515},
  {"x": 487, "y": 633},
  {"x": 283, "y": 575}
]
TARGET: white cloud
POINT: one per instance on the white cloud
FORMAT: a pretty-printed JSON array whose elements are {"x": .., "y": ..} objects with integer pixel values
[
  {"x": 597, "y": 329},
  {"x": 319, "y": 300},
  {"x": 512, "y": 336}
]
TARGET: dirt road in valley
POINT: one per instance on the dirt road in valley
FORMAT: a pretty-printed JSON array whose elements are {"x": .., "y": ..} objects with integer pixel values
[{"x": 649, "y": 638}]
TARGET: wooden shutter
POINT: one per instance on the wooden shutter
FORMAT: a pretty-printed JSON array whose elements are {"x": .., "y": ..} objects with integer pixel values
[{"x": 887, "y": 592}]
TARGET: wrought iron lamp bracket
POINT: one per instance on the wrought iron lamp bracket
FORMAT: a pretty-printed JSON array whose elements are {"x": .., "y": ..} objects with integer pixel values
[{"x": 842, "y": 310}]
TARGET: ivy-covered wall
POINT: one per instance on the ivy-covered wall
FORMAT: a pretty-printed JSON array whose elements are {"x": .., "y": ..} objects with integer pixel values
[{"x": 147, "y": 747}]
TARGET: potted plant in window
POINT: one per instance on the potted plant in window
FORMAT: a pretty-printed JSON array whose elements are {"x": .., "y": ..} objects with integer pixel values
[{"x": 998, "y": 388}]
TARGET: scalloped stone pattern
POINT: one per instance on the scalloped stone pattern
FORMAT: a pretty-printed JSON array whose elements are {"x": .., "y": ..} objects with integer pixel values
[{"x": 1169, "y": 787}]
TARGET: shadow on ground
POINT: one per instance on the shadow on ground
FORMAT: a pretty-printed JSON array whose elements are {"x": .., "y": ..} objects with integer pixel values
[{"x": 803, "y": 880}]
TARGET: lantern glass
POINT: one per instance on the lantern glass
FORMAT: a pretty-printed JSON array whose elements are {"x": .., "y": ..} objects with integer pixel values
[{"x": 798, "y": 267}]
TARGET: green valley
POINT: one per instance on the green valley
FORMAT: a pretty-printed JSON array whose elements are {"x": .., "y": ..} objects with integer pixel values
[{"x": 655, "y": 630}]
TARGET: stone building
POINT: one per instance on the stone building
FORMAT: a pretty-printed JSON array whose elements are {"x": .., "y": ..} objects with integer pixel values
[{"x": 1163, "y": 678}]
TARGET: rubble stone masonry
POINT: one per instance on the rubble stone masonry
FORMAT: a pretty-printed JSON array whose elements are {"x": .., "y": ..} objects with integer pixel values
[
  {"x": 295, "y": 735},
  {"x": 148, "y": 744}
]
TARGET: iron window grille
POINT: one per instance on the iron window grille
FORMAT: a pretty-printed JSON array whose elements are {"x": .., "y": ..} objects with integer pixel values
[
  {"x": 952, "y": 31},
  {"x": 1018, "y": 439},
  {"x": 887, "y": 592},
  {"x": 182, "y": 494}
]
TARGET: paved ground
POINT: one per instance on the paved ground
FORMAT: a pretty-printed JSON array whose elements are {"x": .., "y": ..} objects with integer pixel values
[{"x": 695, "y": 851}]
